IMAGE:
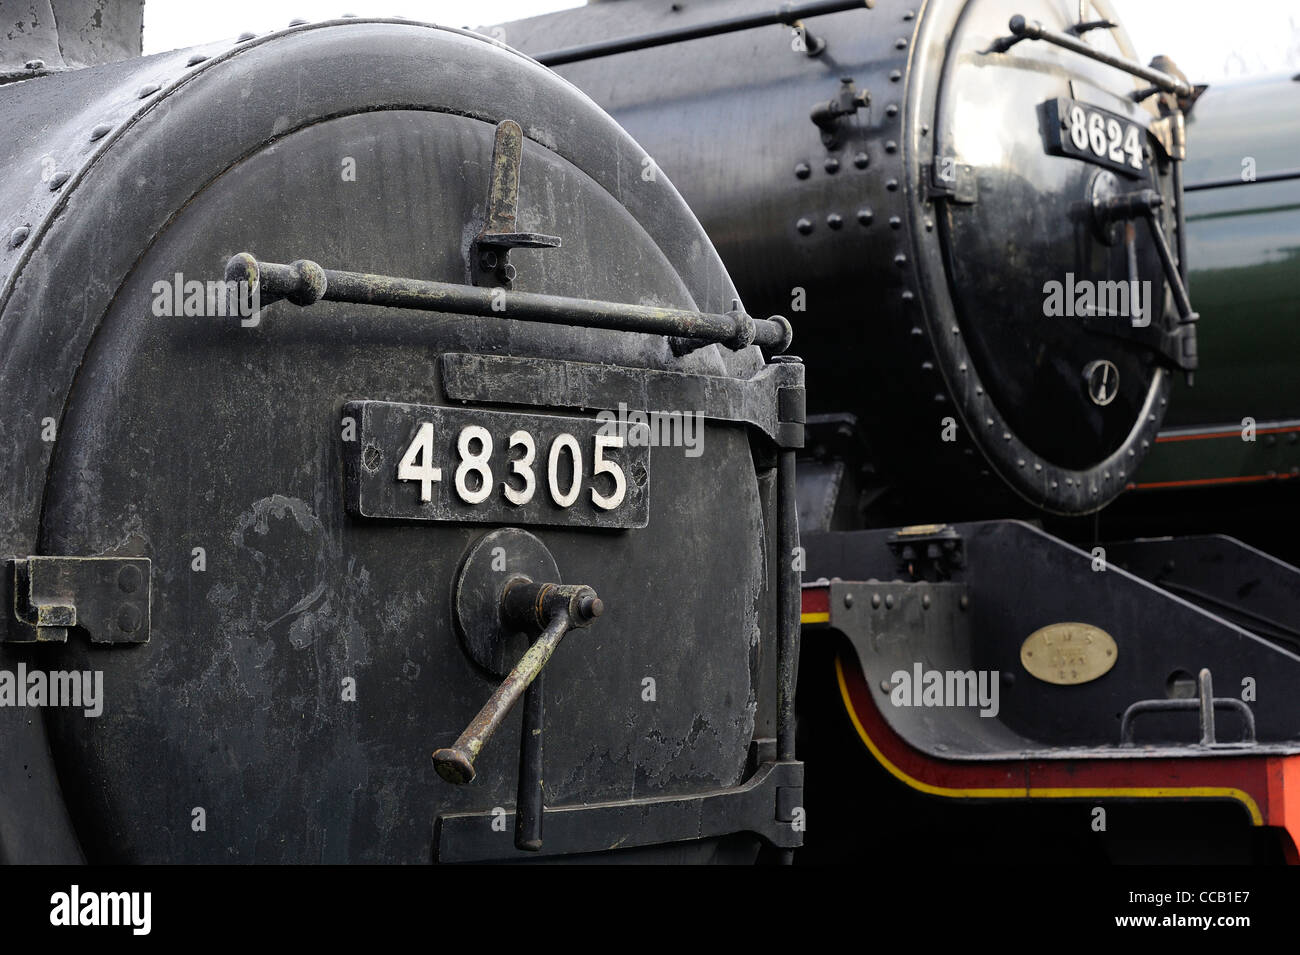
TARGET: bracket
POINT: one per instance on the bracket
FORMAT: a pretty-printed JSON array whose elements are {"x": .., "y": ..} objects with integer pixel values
[{"x": 108, "y": 597}]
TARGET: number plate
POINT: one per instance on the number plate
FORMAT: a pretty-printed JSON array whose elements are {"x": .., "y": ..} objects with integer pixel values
[
  {"x": 1097, "y": 135},
  {"x": 428, "y": 463}
]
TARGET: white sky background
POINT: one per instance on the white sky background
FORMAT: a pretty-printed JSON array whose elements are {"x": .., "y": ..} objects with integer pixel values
[{"x": 1211, "y": 40}]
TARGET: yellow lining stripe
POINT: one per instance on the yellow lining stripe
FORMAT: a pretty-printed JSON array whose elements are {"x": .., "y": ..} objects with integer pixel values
[
  {"x": 815, "y": 618},
  {"x": 1021, "y": 792}
]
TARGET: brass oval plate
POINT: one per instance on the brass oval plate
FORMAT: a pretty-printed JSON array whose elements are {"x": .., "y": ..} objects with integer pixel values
[{"x": 1069, "y": 653}]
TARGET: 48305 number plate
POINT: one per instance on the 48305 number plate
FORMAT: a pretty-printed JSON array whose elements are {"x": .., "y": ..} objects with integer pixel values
[
  {"x": 1097, "y": 135},
  {"x": 430, "y": 463}
]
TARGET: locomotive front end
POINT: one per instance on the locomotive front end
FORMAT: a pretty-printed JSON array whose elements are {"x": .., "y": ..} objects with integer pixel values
[{"x": 398, "y": 474}]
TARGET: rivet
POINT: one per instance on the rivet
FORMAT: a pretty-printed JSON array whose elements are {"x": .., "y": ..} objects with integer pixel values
[
  {"x": 832, "y": 165},
  {"x": 895, "y": 75},
  {"x": 147, "y": 90},
  {"x": 834, "y": 220},
  {"x": 802, "y": 170},
  {"x": 875, "y": 601},
  {"x": 988, "y": 422},
  {"x": 100, "y": 131},
  {"x": 1038, "y": 467},
  {"x": 979, "y": 390},
  {"x": 128, "y": 579},
  {"x": 891, "y": 147},
  {"x": 909, "y": 14},
  {"x": 900, "y": 43},
  {"x": 862, "y": 160},
  {"x": 900, "y": 259},
  {"x": 929, "y": 225},
  {"x": 246, "y": 35},
  {"x": 19, "y": 236},
  {"x": 848, "y": 600},
  {"x": 964, "y": 602},
  {"x": 59, "y": 179},
  {"x": 962, "y": 368},
  {"x": 889, "y": 601},
  {"x": 865, "y": 216},
  {"x": 886, "y": 686},
  {"x": 804, "y": 226},
  {"x": 916, "y": 331},
  {"x": 891, "y": 109},
  {"x": 925, "y": 601},
  {"x": 1020, "y": 462},
  {"x": 927, "y": 366},
  {"x": 297, "y": 22},
  {"x": 925, "y": 129},
  {"x": 196, "y": 59},
  {"x": 956, "y": 330},
  {"x": 1006, "y": 435},
  {"x": 908, "y": 295},
  {"x": 34, "y": 65},
  {"x": 892, "y": 185},
  {"x": 895, "y": 222},
  {"x": 128, "y": 618}
]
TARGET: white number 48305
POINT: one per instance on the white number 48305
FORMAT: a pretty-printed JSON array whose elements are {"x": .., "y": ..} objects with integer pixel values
[{"x": 473, "y": 479}]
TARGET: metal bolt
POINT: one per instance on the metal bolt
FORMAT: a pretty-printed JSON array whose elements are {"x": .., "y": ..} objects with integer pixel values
[
  {"x": 487, "y": 260},
  {"x": 128, "y": 618},
  {"x": 128, "y": 579},
  {"x": 508, "y": 272}
]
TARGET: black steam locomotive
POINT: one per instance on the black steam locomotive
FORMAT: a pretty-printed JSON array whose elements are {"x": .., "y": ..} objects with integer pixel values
[
  {"x": 975, "y": 215},
  {"x": 305, "y": 338}
]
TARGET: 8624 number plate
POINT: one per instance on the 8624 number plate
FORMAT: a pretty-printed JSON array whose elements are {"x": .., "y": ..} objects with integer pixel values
[
  {"x": 429, "y": 463},
  {"x": 1097, "y": 135}
]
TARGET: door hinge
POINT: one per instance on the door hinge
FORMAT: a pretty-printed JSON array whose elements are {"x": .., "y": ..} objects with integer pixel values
[{"x": 107, "y": 597}]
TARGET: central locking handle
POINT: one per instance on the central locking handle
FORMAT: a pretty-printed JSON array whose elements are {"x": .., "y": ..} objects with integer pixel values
[{"x": 550, "y": 611}]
